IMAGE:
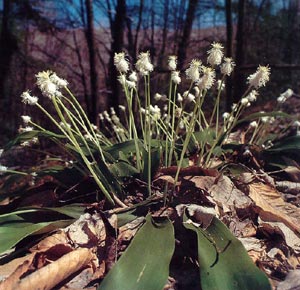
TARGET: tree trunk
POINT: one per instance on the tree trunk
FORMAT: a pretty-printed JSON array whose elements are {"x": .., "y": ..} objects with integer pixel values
[
  {"x": 239, "y": 81},
  {"x": 228, "y": 12},
  {"x": 8, "y": 45},
  {"x": 188, "y": 24},
  {"x": 117, "y": 33},
  {"x": 164, "y": 32},
  {"x": 90, "y": 37}
]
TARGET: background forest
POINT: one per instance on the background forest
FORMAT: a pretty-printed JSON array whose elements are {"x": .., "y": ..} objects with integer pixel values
[{"x": 78, "y": 39}]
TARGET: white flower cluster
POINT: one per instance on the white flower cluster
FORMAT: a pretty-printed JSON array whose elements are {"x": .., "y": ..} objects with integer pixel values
[
  {"x": 172, "y": 62},
  {"x": 208, "y": 78},
  {"x": 28, "y": 99},
  {"x": 215, "y": 54},
  {"x": 227, "y": 66},
  {"x": 49, "y": 83},
  {"x": 260, "y": 77},
  {"x": 193, "y": 72},
  {"x": 143, "y": 64},
  {"x": 285, "y": 95},
  {"x": 121, "y": 62},
  {"x": 3, "y": 169}
]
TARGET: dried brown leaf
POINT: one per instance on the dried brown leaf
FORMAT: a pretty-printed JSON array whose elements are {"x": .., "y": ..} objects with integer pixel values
[
  {"x": 292, "y": 240},
  {"x": 271, "y": 207},
  {"x": 87, "y": 231},
  {"x": 228, "y": 197},
  {"x": 58, "y": 238},
  {"x": 49, "y": 276},
  {"x": 13, "y": 270}
]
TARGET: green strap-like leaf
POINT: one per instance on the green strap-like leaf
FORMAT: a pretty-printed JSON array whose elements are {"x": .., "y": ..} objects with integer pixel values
[
  {"x": 224, "y": 262},
  {"x": 15, "y": 228},
  {"x": 145, "y": 263}
]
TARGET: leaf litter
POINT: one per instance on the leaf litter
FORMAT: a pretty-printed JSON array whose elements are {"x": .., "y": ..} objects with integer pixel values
[{"x": 252, "y": 205}]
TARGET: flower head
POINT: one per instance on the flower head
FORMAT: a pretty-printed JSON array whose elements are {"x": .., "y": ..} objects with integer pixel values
[
  {"x": 252, "y": 96},
  {"x": 208, "y": 78},
  {"x": 133, "y": 77},
  {"x": 188, "y": 96},
  {"x": 28, "y": 99},
  {"x": 226, "y": 115},
  {"x": 26, "y": 129},
  {"x": 3, "y": 169},
  {"x": 193, "y": 72},
  {"x": 179, "y": 98},
  {"x": 121, "y": 62},
  {"x": 175, "y": 77},
  {"x": 159, "y": 97},
  {"x": 285, "y": 95},
  {"x": 26, "y": 119},
  {"x": 253, "y": 124},
  {"x": 227, "y": 66},
  {"x": 245, "y": 102},
  {"x": 122, "y": 108},
  {"x": 155, "y": 111},
  {"x": 215, "y": 54},
  {"x": 260, "y": 77},
  {"x": 45, "y": 84},
  {"x": 130, "y": 84},
  {"x": 58, "y": 81},
  {"x": 172, "y": 62},
  {"x": 143, "y": 64}
]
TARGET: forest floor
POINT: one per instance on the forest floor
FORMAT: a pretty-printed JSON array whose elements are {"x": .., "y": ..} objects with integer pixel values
[{"x": 261, "y": 207}]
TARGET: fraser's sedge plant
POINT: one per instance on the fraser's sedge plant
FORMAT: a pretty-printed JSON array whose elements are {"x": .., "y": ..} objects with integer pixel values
[{"x": 165, "y": 122}]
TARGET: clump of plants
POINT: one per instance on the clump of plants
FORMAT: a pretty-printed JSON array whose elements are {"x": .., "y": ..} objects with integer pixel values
[
  {"x": 154, "y": 136},
  {"x": 157, "y": 130}
]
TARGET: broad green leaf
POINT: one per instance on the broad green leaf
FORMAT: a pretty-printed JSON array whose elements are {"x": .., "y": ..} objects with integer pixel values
[
  {"x": 26, "y": 136},
  {"x": 287, "y": 144},
  {"x": 123, "y": 169},
  {"x": 145, "y": 263},
  {"x": 17, "y": 225},
  {"x": 284, "y": 152},
  {"x": 126, "y": 147},
  {"x": 265, "y": 114},
  {"x": 15, "y": 228},
  {"x": 155, "y": 162},
  {"x": 224, "y": 262},
  {"x": 141, "y": 209}
]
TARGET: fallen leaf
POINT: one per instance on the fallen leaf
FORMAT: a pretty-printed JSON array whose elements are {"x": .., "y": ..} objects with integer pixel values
[
  {"x": 57, "y": 238},
  {"x": 272, "y": 208},
  {"x": 292, "y": 281},
  {"x": 88, "y": 231},
  {"x": 127, "y": 232},
  {"x": 13, "y": 270},
  {"x": 228, "y": 197},
  {"x": 49, "y": 276},
  {"x": 256, "y": 248},
  {"x": 292, "y": 240},
  {"x": 288, "y": 187}
]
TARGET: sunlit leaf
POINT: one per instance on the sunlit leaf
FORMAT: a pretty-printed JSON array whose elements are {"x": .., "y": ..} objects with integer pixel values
[
  {"x": 145, "y": 263},
  {"x": 224, "y": 262}
]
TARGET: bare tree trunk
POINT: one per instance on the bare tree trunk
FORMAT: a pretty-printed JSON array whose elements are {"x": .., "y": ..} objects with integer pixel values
[
  {"x": 133, "y": 39},
  {"x": 117, "y": 33},
  {"x": 82, "y": 74},
  {"x": 90, "y": 37},
  {"x": 183, "y": 44},
  {"x": 165, "y": 31},
  {"x": 8, "y": 45},
  {"x": 228, "y": 12},
  {"x": 239, "y": 54}
]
